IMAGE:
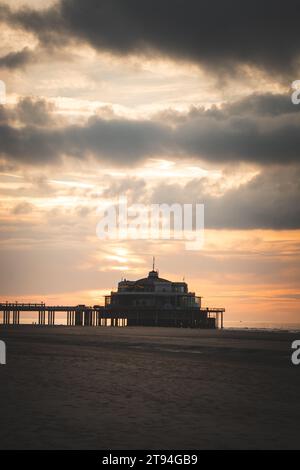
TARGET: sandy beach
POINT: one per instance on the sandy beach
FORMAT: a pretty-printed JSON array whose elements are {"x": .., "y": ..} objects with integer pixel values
[{"x": 131, "y": 388}]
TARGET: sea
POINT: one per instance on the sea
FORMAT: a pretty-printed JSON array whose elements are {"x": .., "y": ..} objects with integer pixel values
[{"x": 261, "y": 325}]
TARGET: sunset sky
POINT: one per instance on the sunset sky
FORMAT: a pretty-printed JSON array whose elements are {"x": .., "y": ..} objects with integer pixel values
[{"x": 162, "y": 102}]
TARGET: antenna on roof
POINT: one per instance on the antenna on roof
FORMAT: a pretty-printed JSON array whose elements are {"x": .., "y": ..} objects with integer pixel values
[{"x": 153, "y": 263}]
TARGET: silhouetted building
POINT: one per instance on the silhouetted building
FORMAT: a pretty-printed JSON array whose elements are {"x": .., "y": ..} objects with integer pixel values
[{"x": 155, "y": 301}]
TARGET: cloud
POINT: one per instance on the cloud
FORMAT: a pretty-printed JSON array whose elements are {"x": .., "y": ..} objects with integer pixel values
[
  {"x": 119, "y": 140},
  {"x": 268, "y": 104},
  {"x": 29, "y": 111},
  {"x": 268, "y": 201},
  {"x": 17, "y": 59},
  {"x": 262, "y": 140},
  {"x": 218, "y": 35},
  {"x": 133, "y": 188},
  {"x": 23, "y": 208},
  {"x": 262, "y": 129},
  {"x": 37, "y": 112}
]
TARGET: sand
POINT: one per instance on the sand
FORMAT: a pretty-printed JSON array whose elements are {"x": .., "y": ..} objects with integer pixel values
[{"x": 148, "y": 388}]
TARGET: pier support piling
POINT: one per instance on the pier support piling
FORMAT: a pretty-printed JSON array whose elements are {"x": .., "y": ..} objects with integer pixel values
[
  {"x": 78, "y": 318},
  {"x": 51, "y": 317},
  {"x": 6, "y": 317}
]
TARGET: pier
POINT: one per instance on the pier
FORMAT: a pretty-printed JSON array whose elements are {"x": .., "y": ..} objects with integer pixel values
[
  {"x": 113, "y": 316},
  {"x": 75, "y": 315}
]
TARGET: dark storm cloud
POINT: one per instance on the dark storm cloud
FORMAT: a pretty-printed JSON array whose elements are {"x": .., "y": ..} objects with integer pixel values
[
  {"x": 218, "y": 34},
  {"x": 268, "y": 104},
  {"x": 241, "y": 138},
  {"x": 269, "y": 201},
  {"x": 17, "y": 59},
  {"x": 118, "y": 140},
  {"x": 266, "y": 132}
]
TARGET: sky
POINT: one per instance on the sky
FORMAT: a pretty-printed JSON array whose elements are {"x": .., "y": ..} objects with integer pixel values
[{"x": 161, "y": 102}]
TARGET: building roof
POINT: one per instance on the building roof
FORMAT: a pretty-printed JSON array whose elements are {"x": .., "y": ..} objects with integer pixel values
[{"x": 151, "y": 279}]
